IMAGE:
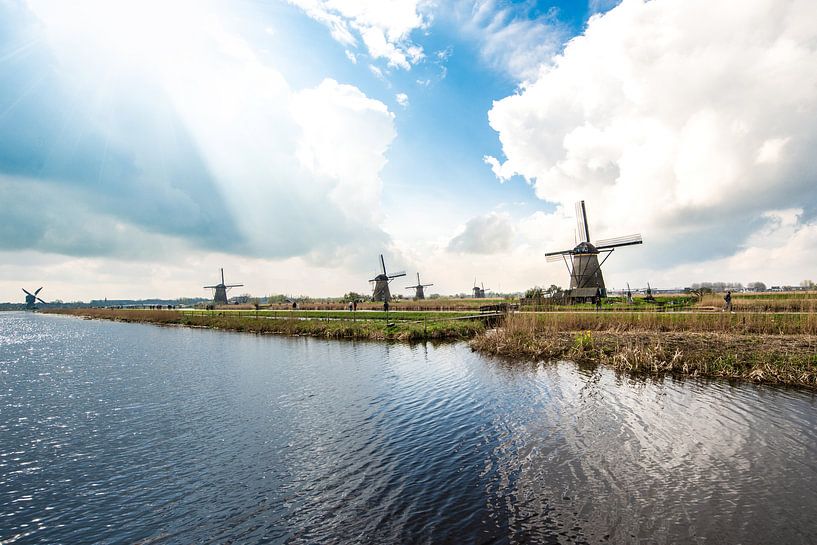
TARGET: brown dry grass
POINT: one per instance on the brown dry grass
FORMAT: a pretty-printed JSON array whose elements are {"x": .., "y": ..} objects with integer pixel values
[
  {"x": 758, "y": 357},
  {"x": 798, "y": 301}
]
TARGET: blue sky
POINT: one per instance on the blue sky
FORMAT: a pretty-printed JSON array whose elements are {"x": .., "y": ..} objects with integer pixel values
[{"x": 145, "y": 144}]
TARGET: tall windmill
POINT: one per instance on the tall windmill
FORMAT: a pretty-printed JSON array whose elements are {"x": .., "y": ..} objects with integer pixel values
[
  {"x": 479, "y": 291},
  {"x": 31, "y": 299},
  {"x": 419, "y": 293},
  {"x": 220, "y": 294},
  {"x": 582, "y": 262},
  {"x": 381, "y": 282}
]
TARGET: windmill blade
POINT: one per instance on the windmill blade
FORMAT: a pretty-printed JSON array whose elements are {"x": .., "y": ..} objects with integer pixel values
[
  {"x": 425, "y": 285},
  {"x": 581, "y": 222},
  {"x": 550, "y": 257},
  {"x": 234, "y": 285},
  {"x": 397, "y": 274},
  {"x": 38, "y": 290},
  {"x": 209, "y": 287},
  {"x": 28, "y": 292},
  {"x": 382, "y": 264},
  {"x": 41, "y": 301},
  {"x": 626, "y": 240}
]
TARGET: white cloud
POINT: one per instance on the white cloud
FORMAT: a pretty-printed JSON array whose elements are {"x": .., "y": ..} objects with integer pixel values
[
  {"x": 511, "y": 37},
  {"x": 402, "y": 99},
  {"x": 384, "y": 26},
  {"x": 488, "y": 234},
  {"x": 345, "y": 136},
  {"x": 685, "y": 119}
]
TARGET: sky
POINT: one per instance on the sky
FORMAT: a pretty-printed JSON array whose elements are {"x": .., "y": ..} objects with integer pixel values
[{"x": 146, "y": 144}]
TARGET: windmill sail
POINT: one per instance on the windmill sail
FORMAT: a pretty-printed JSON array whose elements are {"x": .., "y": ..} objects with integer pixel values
[
  {"x": 626, "y": 240},
  {"x": 581, "y": 222}
]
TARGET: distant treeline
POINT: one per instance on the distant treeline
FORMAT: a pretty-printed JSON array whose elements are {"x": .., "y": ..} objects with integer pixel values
[{"x": 752, "y": 286}]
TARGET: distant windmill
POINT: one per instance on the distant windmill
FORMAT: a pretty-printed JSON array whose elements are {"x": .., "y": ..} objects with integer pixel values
[
  {"x": 220, "y": 294},
  {"x": 629, "y": 295},
  {"x": 584, "y": 267},
  {"x": 419, "y": 293},
  {"x": 381, "y": 282},
  {"x": 479, "y": 291},
  {"x": 649, "y": 296},
  {"x": 31, "y": 299}
]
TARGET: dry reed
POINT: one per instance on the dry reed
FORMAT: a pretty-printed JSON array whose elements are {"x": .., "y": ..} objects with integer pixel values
[{"x": 656, "y": 349}]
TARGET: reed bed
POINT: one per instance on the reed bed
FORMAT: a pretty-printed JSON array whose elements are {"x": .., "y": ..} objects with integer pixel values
[
  {"x": 715, "y": 322},
  {"x": 765, "y": 302},
  {"x": 651, "y": 347}
]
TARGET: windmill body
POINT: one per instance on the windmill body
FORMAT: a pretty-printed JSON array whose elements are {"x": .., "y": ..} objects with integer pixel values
[
  {"x": 381, "y": 282},
  {"x": 31, "y": 299},
  {"x": 586, "y": 280},
  {"x": 419, "y": 292},
  {"x": 220, "y": 290}
]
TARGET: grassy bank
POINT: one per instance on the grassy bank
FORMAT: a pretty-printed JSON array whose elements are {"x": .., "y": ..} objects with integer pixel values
[
  {"x": 689, "y": 346},
  {"x": 399, "y": 315},
  {"x": 436, "y": 304},
  {"x": 375, "y": 329},
  {"x": 761, "y": 347}
]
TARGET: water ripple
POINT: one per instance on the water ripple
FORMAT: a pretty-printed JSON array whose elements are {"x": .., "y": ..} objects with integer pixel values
[{"x": 115, "y": 433}]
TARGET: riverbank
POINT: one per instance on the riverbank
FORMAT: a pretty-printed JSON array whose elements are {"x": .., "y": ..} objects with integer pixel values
[
  {"x": 744, "y": 348},
  {"x": 762, "y": 348},
  {"x": 375, "y": 328}
]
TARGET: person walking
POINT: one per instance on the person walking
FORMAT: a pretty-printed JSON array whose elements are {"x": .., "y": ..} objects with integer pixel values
[
  {"x": 727, "y": 306},
  {"x": 597, "y": 299}
]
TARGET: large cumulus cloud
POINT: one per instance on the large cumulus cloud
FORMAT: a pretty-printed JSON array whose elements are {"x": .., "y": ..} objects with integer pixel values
[{"x": 689, "y": 120}]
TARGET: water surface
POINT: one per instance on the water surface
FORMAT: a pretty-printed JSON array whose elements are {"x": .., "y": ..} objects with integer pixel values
[{"x": 122, "y": 433}]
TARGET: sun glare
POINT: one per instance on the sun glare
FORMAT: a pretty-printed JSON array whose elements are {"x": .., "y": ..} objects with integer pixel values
[{"x": 149, "y": 34}]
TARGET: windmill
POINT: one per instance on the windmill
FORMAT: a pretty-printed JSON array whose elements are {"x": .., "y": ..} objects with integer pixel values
[
  {"x": 479, "y": 291},
  {"x": 31, "y": 299},
  {"x": 629, "y": 295},
  {"x": 220, "y": 294},
  {"x": 419, "y": 293},
  {"x": 584, "y": 267},
  {"x": 649, "y": 296},
  {"x": 381, "y": 282}
]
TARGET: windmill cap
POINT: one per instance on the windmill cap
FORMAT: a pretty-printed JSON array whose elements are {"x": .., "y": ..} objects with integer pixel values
[{"x": 585, "y": 248}]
